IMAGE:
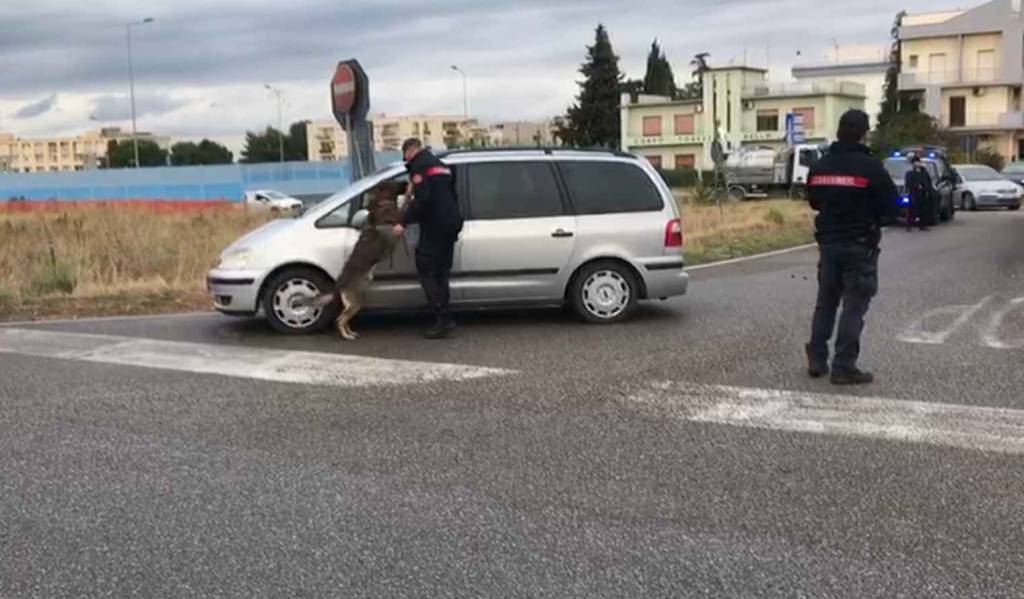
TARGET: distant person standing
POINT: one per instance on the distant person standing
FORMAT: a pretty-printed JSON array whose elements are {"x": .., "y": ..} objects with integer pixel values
[
  {"x": 853, "y": 195},
  {"x": 435, "y": 209},
  {"x": 919, "y": 189}
]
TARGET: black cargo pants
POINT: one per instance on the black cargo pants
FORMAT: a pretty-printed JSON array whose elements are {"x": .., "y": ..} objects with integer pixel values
[
  {"x": 847, "y": 273},
  {"x": 434, "y": 257}
]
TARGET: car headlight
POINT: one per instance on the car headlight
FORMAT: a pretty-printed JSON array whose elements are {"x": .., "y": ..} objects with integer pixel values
[{"x": 234, "y": 259}]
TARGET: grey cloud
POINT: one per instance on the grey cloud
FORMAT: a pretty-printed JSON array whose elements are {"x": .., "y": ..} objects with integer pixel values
[
  {"x": 37, "y": 108},
  {"x": 118, "y": 108}
]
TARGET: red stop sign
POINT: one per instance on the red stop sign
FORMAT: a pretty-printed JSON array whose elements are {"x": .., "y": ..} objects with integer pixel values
[{"x": 343, "y": 89}]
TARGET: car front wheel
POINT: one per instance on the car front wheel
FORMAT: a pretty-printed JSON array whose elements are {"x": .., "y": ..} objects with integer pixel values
[
  {"x": 604, "y": 292},
  {"x": 287, "y": 301}
]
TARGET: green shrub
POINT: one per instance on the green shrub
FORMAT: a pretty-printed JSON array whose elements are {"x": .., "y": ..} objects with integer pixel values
[
  {"x": 775, "y": 217},
  {"x": 54, "y": 276}
]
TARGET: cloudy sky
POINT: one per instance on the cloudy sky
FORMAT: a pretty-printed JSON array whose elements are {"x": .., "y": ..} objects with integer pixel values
[{"x": 201, "y": 65}]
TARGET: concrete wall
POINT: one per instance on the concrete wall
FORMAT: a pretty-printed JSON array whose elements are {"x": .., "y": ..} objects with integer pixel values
[{"x": 182, "y": 183}]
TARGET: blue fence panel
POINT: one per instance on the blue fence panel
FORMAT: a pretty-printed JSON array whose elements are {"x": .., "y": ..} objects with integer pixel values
[{"x": 181, "y": 183}]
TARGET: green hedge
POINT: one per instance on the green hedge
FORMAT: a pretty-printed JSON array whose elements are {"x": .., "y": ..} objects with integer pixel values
[{"x": 685, "y": 177}]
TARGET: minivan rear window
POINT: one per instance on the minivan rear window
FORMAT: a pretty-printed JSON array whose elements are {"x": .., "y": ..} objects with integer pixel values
[
  {"x": 609, "y": 187},
  {"x": 513, "y": 190}
]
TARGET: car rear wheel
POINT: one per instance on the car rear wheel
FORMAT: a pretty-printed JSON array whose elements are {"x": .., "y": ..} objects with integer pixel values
[
  {"x": 737, "y": 193},
  {"x": 288, "y": 297},
  {"x": 1017, "y": 207},
  {"x": 604, "y": 292}
]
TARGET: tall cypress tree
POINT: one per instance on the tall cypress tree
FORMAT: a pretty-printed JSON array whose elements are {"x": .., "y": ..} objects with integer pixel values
[
  {"x": 659, "y": 79},
  {"x": 891, "y": 101},
  {"x": 594, "y": 119}
]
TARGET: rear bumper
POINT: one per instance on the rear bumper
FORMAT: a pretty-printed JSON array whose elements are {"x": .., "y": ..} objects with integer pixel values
[
  {"x": 234, "y": 292},
  {"x": 666, "y": 282}
]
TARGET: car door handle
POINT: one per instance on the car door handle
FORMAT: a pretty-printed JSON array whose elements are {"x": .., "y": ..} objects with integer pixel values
[{"x": 562, "y": 233}]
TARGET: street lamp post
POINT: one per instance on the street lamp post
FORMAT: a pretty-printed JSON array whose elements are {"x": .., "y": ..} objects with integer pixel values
[
  {"x": 280, "y": 123},
  {"x": 131, "y": 82},
  {"x": 465, "y": 93}
]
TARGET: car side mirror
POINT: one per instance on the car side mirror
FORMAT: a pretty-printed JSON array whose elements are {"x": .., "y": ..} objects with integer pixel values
[{"x": 359, "y": 218}]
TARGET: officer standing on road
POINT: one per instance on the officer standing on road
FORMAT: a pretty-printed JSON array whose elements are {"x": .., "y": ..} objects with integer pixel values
[
  {"x": 853, "y": 195},
  {"x": 919, "y": 190},
  {"x": 435, "y": 209}
]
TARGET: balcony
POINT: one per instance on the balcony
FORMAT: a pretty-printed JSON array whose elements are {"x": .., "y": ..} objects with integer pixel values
[
  {"x": 976, "y": 119},
  {"x": 921, "y": 79},
  {"x": 668, "y": 140},
  {"x": 819, "y": 88}
]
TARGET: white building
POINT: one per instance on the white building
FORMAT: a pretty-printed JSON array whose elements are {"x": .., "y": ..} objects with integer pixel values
[{"x": 869, "y": 73}]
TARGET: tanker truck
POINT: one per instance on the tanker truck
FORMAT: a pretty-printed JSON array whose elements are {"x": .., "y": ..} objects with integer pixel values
[{"x": 755, "y": 172}]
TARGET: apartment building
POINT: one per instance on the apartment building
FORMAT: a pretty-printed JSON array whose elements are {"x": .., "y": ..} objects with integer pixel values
[
  {"x": 521, "y": 133},
  {"x": 966, "y": 69},
  {"x": 327, "y": 141},
  {"x": 742, "y": 106},
  {"x": 869, "y": 73},
  {"x": 55, "y": 154}
]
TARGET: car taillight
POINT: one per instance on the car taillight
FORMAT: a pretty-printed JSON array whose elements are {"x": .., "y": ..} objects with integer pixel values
[{"x": 674, "y": 233}]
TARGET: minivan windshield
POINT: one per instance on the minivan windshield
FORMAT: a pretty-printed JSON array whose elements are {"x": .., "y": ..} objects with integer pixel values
[
  {"x": 275, "y": 195},
  {"x": 353, "y": 190}
]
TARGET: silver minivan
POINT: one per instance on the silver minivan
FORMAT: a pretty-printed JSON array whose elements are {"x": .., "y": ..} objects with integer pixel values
[{"x": 596, "y": 230}]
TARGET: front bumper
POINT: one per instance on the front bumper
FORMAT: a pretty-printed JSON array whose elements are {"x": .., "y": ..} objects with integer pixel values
[{"x": 234, "y": 291}]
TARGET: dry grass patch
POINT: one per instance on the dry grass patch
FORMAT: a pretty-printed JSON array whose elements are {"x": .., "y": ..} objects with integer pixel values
[{"x": 63, "y": 258}]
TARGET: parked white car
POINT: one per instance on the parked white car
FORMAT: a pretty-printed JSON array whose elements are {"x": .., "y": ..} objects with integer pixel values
[
  {"x": 268, "y": 199},
  {"x": 980, "y": 186}
]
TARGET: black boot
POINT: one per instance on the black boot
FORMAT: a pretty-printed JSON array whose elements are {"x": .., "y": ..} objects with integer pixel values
[
  {"x": 852, "y": 377},
  {"x": 443, "y": 326},
  {"x": 815, "y": 368}
]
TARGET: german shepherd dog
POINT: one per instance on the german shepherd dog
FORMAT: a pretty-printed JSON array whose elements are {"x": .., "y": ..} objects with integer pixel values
[{"x": 375, "y": 243}]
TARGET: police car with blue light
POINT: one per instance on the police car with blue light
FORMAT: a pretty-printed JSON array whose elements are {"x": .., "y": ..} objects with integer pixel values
[{"x": 936, "y": 162}]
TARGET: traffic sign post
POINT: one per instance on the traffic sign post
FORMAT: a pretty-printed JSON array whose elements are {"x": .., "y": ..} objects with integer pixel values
[{"x": 350, "y": 102}]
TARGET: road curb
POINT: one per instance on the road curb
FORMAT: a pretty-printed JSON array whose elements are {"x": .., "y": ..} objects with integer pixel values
[
  {"x": 752, "y": 257},
  {"x": 104, "y": 318}
]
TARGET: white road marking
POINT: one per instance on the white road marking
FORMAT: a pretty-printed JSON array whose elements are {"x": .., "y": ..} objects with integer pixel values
[
  {"x": 916, "y": 332},
  {"x": 749, "y": 258},
  {"x": 952, "y": 425},
  {"x": 992, "y": 336},
  {"x": 312, "y": 368}
]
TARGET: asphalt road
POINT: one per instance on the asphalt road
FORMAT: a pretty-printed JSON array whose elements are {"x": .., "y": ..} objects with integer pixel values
[{"x": 549, "y": 475}]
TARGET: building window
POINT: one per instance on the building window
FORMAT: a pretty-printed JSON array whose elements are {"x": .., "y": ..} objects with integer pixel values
[
  {"x": 767, "y": 120},
  {"x": 684, "y": 124},
  {"x": 958, "y": 111},
  {"x": 913, "y": 61},
  {"x": 652, "y": 126},
  {"x": 686, "y": 161},
  {"x": 654, "y": 160},
  {"x": 808, "y": 114}
]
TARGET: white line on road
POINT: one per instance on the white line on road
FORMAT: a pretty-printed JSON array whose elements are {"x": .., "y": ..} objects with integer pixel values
[
  {"x": 312, "y": 368},
  {"x": 992, "y": 335},
  {"x": 953, "y": 425},
  {"x": 753, "y": 257},
  {"x": 917, "y": 333}
]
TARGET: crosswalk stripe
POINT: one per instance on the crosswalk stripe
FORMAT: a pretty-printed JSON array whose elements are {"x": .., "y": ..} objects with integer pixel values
[
  {"x": 312, "y": 368},
  {"x": 953, "y": 425}
]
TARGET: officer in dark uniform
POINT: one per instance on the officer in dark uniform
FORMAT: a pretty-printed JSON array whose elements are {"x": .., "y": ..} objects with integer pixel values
[
  {"x": 436, "y": 210},
  {"x": 919, "y": 189},
  {"x": 853, "y": 195}
]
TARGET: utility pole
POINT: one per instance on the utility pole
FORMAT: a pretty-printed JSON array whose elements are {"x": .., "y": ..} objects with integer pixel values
[
  {"x": 465, "y": 92},
  {"x": 280, "y": 123},
  {"x": 131, "y": 82}
]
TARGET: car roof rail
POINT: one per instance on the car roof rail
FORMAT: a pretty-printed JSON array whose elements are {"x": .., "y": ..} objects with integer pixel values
[{"x": 549, "y": 150}]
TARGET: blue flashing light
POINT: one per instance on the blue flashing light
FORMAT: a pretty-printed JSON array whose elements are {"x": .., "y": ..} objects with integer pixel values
[
  {"x": 931, "y": 154},
  {"x": 897, "y": 154},
  {"x": 905, "y": 200}
]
